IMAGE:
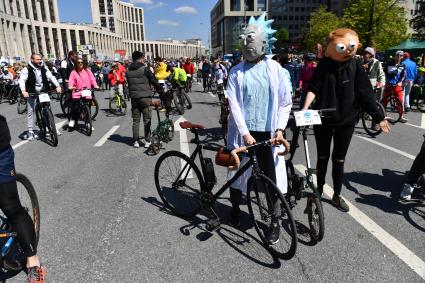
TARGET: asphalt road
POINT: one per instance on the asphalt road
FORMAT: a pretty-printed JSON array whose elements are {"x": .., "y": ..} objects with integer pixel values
[{"x": 103, "y": 221}]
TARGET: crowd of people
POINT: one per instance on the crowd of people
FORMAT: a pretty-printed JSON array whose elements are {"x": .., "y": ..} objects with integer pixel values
[{"x": 260, "y": 92}]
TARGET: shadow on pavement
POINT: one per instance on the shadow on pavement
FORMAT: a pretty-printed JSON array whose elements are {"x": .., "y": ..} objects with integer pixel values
[
  {"x": 239, "y": 239},
  {"x": 121, "y": 139}
]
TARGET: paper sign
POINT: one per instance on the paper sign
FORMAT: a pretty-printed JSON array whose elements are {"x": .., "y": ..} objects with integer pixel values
[
  {"x": 307, "y": 118},
  {"x": 86, "y": 93},
  {"x": 44, "y": 97}
]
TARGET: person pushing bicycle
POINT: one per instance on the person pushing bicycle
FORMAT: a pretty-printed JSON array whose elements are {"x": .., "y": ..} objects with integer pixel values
[{"x": 11, "y": 206}]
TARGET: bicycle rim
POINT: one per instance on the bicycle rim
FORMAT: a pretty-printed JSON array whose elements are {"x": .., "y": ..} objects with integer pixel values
[
  {"x": 94, "y": 108},
  {"x": 393, "y": 109},
  {"x": 316, "y": 219},
  {"x": 179, "y": 183},
  {"x": 87, "y": 121},
  {"x": 369, "y": 126},
  {"x": 261, "y": 212}
]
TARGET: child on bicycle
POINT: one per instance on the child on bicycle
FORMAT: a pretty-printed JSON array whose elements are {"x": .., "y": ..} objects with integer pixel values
[{"x": 11, "y": 206}]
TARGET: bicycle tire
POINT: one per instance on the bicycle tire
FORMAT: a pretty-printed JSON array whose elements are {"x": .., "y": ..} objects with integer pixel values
[
  {"x": 367, "y": 122},
  {"x": 22, "y": 105},
  {"x": 420, "y": 104},
  {"x": 13, "y": 95},
  {"x": 65, "y": 103},
  {"x": 52, "y": 127},
  {"x": 15, "y": 259},
  {"x": 155, "y": 146},
  {"x": 177, "y": 104},
  {"x": 393, "y": 109},
  {"x": 263, "y": 221},
  {"x": 87, "y": 121},
  {"x": 188, "y": 101},
  {"x": 94, "y": 108},
  {"x": 169, "y": 189},
  {"x": 316, "y": 218}
]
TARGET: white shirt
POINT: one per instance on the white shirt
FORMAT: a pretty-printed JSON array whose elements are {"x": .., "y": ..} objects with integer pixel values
[{"x": 38, "y": 79}]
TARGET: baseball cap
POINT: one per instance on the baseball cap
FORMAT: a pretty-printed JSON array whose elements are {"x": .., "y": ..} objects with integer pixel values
[{"x": 370, "y": 50}]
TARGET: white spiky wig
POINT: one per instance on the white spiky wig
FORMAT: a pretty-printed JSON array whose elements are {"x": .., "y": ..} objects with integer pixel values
[{"x": 266, "y": 26}]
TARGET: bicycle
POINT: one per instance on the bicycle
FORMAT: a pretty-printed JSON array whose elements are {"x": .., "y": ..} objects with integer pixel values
[
  {"x": 12, "y": 257},
  {"x": 304, "y": 187},
  {"x": 117, "y": 104},
  {"x": 84, "y": 108},
  {"x": 180, "y": 98},
  {"x": 371, "y": 128},
  {"x": 164, "y": 132},
  {"x": 65, "y": 103},
  {"x": 419, "y": 97},
  {"x": 185, "y": 190},
  {"x": 189, "y": 83},
  {"x": 392, "y": 105},
  {"x": 14, "y": 92},
  {"x": 45, "y": 119}
]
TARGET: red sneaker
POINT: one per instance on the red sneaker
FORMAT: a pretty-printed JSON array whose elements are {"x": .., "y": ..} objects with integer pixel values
[{"x": 36, "y": 274}]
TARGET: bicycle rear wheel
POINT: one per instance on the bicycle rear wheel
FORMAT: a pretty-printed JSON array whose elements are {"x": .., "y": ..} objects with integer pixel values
[
  {"x": 51, "y": 127},
  {"x": 177, "y": 104},
  {"x": 261, "y": 193},
  {"x": 94, "y": 108},
  {"x": 188, "y": 102},
  {"x": 393, "y": 109},
  {"x": 369, "y": 126},
  {"x": 179, "y": 183}
]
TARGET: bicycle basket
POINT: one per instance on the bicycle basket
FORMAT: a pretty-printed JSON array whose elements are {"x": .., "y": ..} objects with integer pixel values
[{"x": 224, "y": 158}]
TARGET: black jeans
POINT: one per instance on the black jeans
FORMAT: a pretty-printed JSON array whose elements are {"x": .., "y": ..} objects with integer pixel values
[
  {"x": 418, "y": 167},
  {"x": 205, "y": 78},
  {"x": 141, "y": 106},
  {"x": 342, "y": 138}
]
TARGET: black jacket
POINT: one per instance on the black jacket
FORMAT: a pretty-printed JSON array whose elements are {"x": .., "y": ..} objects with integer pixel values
[
  {"x": 4, "y": 134},
  {"x": 346, "y": 87},
  {"x": 139, "y": 79}
]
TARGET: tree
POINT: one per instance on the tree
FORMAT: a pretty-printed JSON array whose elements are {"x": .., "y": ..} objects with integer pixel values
[
  {"x": 389, "y": 23},
  {"x": 321, "y": 24},
  {"x": 282, "y": 37},
  {"x": 418, "y": 22}
]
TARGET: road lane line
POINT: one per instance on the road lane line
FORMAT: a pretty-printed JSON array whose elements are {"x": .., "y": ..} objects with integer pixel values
[
  {"x": 405, "y": 154},
  {"x": 21, "y": 143},
  {"x": 106, "y": 136},
  {"x": 416, "y": 126},
  {"x": 394, "y": 245},
  {"x": 423, "y": 121},
  {"x": 184, "y": 145}
]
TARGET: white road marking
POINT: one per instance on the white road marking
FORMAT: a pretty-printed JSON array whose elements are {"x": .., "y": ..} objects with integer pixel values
[
  {"x": 415, "y": 126},
  {"x": 184, "y": 144},
  {"x": 395, "y": 246},
  {"x": 212, "y": 95},
  {"x": 423, "y": 121},
  {"x": 106, "y": 136},
  {"x": 58, "y": 126},
  {"x": 405, "y": 154}
]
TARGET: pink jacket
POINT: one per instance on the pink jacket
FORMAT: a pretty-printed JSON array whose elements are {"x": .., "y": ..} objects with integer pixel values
[
  {"x": 81, "y": 80},
  {"x": 306, "y": 75}
]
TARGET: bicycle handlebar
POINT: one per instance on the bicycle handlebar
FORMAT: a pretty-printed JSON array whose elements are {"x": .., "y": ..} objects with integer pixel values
[{"x": 234, "y": 153}]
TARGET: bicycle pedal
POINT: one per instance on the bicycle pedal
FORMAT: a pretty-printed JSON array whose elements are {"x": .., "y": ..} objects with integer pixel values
[{"x": 213, "y": 224}]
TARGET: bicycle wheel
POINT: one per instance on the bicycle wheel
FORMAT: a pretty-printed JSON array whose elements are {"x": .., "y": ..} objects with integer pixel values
[
  {"x": 87, "y": 120},
  {"x": 261, "y": 191},
  {"x": 179, "y": 183},
  {"x": 316, "y": 219},
  {"x": 393, "y": 109},
  {"x": 369, "y": 126},
  {"x": 50, "y": 123},
  {"x": 22, "y": 105},
  {"x": 13, "y": 95},
  {"x": 155, "y": 146},
  {"x": 114, "y": 105},
  {"x": 65, "y": 103},
  {"x": 177, "y": 104},
  {"x": 188, "y": 102},
  {"x": 94, "y": 108}
]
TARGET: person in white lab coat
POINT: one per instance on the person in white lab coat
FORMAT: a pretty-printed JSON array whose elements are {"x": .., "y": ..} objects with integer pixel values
[{"x": 259, "y": 94}]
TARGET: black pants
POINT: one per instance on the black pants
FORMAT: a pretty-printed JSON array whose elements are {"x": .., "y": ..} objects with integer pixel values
[
  {"x": 265, "y": 161},
  {"x": 342, "y": 138},
  {"x": 18, "y": 217},
  {"x": 205, "y": 78},
  {"x": 418, "y": 167},
  {"x": 141, "y": 106}
]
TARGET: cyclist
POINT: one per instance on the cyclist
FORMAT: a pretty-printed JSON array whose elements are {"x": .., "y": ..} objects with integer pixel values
[
  {"x": 105, "y": 71},
  {"x": 219, "y": 71},
  {"x": 416, "y": 171},
  {"x": 260, "y": 109},
  {"x": 395, "y": 77},
  {"x": 306, "y": 74},
  {"x": 177, "y": 76},
  {"x": 411, "y": 73},
  {"x": 11, "y": 206},
  {"x": 67, "y": 66},
  {"x": 189, "y": 68},
  {"x": 161, "y": 72},
  {"x": 117, "y": 78},
  {"x": 81, "y": 78},
  {"x": 35, "y": 79},
  {"x": 206, "y": 73}
]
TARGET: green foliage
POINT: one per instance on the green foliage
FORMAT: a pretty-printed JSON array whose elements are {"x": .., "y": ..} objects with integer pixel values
[
  {"x": 418, "y": 22},
  {"x": 282, "y": 36},
  {"x": 322, "y": 23},
  {"x": 389, "y": 22}
]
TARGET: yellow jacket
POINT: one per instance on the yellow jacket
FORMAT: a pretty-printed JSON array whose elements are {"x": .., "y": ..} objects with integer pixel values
[{"x": 161, "y": 71}]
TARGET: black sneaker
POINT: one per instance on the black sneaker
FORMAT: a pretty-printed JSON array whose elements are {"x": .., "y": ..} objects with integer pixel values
[
  {"x": 340, "y": 204},
  {"x": 273, "y": 236},
  {"x": 235, "y": 217}
]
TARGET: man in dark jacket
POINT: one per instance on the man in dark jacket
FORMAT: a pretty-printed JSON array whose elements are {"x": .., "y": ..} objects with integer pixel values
[{"x": 139, "y": 79}]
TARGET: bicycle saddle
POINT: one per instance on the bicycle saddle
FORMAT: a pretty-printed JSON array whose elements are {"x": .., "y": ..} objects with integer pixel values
[{"x": 189, "y": 125}]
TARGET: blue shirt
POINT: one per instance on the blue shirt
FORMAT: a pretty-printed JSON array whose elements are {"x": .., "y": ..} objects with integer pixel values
[
  {"x": 257, "y": 98},
  {"x": 395, "y": 73},
  {"x": 411, "y": 69}
]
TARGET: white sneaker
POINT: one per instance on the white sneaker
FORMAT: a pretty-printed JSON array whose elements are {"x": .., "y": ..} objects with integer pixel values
[
  {"x": 406, "y": 192},
  {"x": 29, "y": 136},
  {"x": 147, "y": 144},
  {"x": 71, "y": 124},
  {"x": 136, "y": 144}
]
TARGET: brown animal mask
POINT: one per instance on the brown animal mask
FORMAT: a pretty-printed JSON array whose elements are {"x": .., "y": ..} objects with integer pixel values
[{"x": 342, "y": 44}]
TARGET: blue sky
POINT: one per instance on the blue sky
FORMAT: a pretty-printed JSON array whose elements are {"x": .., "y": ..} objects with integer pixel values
[{"x": 178, "y": 19}]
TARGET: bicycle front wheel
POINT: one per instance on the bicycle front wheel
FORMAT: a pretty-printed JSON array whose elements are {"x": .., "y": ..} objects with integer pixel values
[
  {"x": 316, "y": 219},
  {"x": 394, "y": 109},
  {"x": 179, "y": 183},
  {"x": 179, "y": 107},
  {"x": 266, "y": 204},
  {"x": 188, "y": 101},
  {"x": 88, "y": 125},
  {"x": 51, "y": 127},
  {"x": 369, "y": 126},
  {"x": 94, "y": 108}
]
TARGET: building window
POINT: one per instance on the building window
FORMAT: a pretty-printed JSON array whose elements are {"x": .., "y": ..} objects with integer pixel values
[
  {"x": 111, "y": 24},
  {"x": 103, "y": 22},
  {"x": 102, "y": 7},
  {"x": 66, "y": 48},
  {"x": 43, "y": 11},
  {"x": 82, "y": 37},
  {"x": 141, "y": 16},
  {"x": 235, "y": 5},
  {"x": 110, "y": 8},
  {"x": 249, "y": 5},
  {"x": 261, "y": 5},
  {"x": 34, "y": 10},
  {"x": 73, "y": 40}
]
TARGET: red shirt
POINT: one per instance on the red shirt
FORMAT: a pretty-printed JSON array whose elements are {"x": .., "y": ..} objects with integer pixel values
[{"x": 189, "y": 68}]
